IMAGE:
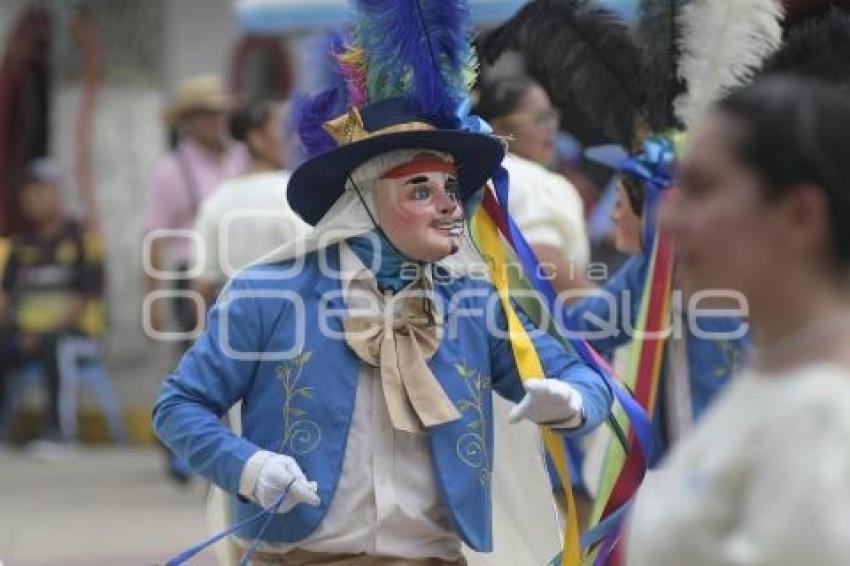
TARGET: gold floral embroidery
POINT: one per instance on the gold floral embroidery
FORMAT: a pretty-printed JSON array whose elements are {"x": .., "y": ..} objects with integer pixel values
[
  {"x": 300, "y": 434},
  {"x": 472, "y": 446}
]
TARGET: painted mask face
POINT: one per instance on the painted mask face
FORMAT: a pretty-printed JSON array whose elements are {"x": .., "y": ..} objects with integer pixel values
[{"x": 418, "y": 207}]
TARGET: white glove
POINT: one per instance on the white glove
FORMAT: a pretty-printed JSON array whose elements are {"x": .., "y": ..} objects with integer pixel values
[
  {"x": 279, "y": 474},
  {"x": 550, "y": 402}
]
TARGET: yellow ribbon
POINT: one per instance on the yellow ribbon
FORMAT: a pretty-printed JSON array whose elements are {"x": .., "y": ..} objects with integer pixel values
[{"x": 528, "y": 364}]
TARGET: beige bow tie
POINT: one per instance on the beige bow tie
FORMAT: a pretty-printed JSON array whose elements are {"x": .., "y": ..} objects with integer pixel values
[{"x": 400, "y": 347}]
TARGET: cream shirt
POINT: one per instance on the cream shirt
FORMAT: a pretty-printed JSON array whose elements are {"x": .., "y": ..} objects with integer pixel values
[
  {"x": 387, "y": 502},
  {"x": 242, "y": 221},
  {"x": 764, "y": 479}
]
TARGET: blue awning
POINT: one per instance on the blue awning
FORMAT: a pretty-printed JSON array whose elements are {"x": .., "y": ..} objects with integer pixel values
[{"x": 277, "y": 16}]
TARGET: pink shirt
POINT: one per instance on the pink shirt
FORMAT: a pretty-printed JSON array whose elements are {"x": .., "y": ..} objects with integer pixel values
[{"x": 172, "y": 202}]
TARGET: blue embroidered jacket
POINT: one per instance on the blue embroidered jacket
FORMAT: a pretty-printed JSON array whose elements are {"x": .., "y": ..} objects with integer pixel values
[{"x": 298, "y": 397}]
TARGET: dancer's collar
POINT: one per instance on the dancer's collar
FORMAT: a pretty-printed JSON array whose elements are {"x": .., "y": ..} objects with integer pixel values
[{"x": 391, "y": 269}]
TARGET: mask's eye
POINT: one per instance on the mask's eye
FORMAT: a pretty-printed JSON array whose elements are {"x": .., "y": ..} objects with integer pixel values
[
  {"x": 452, "y": 189},
  {"x": 421, "y": 193}
]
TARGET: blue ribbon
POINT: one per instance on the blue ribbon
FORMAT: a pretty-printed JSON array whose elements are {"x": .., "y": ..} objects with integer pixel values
[
  {"x": 464, "y": 119},
  {"x": 610, "y": 542},
  {"x": 604, "y": 530},
  {"x": 654, "y": 168},
  {"x": 635, "y": 413},
  {"x": 606, "y": 526},
  {"x": 654, "y": 165},
  {"x": 268, "y": 513}
]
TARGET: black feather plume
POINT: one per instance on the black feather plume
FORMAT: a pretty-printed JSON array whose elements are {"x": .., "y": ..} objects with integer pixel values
[
  {"x": 658, "y": 33},
  {"x": 584, "y": 57},
  {"x": 818, "y": 48}
]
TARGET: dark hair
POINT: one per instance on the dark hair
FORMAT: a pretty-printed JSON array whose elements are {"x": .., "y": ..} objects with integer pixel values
[
  {"x": 818, "y": 48},
  {"x": 635, "y": 193},
  {"x": 249, "y": 118},
  {"x": 501, "y": 96},
  {"x": 794, "y": 131}
]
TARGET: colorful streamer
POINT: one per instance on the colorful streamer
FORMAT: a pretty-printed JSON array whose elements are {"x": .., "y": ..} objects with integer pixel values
[
  {"x": 622, "y": 473},
  {"x": 492, "y": 218},
  {"x": 529, "y": 367}
]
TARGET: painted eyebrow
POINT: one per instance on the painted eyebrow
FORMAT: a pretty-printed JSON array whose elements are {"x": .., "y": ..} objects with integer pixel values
[{"x": 417, "y": 179}]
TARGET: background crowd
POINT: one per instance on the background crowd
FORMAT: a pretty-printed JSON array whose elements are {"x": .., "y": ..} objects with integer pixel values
[{"x": 144, "y": 154}]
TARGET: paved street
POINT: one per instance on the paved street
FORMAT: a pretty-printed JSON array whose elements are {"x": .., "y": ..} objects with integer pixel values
[{"x": 96, "y": 507}]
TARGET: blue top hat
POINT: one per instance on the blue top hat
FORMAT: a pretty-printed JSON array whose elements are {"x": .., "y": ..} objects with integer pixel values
[
  {"x": 405, "y": 82},
  {"x": 377, "y": 128}
]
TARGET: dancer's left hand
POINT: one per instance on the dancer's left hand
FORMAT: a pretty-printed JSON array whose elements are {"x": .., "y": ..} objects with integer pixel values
[{"x": 550, "y": 402}]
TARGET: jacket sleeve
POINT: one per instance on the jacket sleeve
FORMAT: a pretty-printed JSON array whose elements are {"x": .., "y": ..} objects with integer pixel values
[
  {"x": 212, "y": 376},
  {"x": 607, "y": 318},
  {"x": 558, "y": 363}
]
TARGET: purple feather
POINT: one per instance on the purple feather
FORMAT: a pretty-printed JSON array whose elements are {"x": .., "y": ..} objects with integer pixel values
[{"x": 312, "y": 114}]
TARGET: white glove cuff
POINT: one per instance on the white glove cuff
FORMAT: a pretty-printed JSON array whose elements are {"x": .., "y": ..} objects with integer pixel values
[{"x": 573, "y": 422}]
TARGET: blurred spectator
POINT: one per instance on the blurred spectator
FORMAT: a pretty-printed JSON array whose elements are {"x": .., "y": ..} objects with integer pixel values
[
  {"x": 547, "y": 208},
  {"x": 248, "y": 216},
  {"x": 203, "y": 158},
  {"x": 51, "y": 288}
]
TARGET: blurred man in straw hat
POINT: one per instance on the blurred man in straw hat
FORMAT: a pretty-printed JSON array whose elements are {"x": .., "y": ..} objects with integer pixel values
[{"x": 203, "y": 157}]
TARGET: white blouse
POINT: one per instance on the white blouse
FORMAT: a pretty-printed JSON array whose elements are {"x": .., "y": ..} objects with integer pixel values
[
  {"x": 763, "y": 480},
  {"x": 243, "y": 220},
  {"x": 547, "y": 208}
]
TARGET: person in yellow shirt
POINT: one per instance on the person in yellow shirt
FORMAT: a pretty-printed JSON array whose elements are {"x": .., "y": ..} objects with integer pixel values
[{"x": 51, "y": 280}]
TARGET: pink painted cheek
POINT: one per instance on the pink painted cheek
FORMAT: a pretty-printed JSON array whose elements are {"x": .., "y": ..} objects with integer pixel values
[{"x": 412, "y": 215}]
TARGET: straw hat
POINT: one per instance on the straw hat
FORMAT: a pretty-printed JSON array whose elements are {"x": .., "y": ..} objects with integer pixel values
[{"x": 201, "y": 92}]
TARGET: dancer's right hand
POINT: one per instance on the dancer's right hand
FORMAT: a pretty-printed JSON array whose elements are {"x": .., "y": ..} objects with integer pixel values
[{"x": 279, "y": 474}]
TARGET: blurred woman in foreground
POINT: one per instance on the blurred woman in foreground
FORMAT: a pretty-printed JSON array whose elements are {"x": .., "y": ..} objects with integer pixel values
[{"x": 763, "y": 210}]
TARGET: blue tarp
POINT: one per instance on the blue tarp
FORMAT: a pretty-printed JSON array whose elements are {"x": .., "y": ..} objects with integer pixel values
[{"x": 276, "y": 16}]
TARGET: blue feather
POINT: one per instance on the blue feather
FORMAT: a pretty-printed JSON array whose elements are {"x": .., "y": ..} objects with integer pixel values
[
  {"x": 416, "y": 48},
  {"x": 446, "y": 25}
]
